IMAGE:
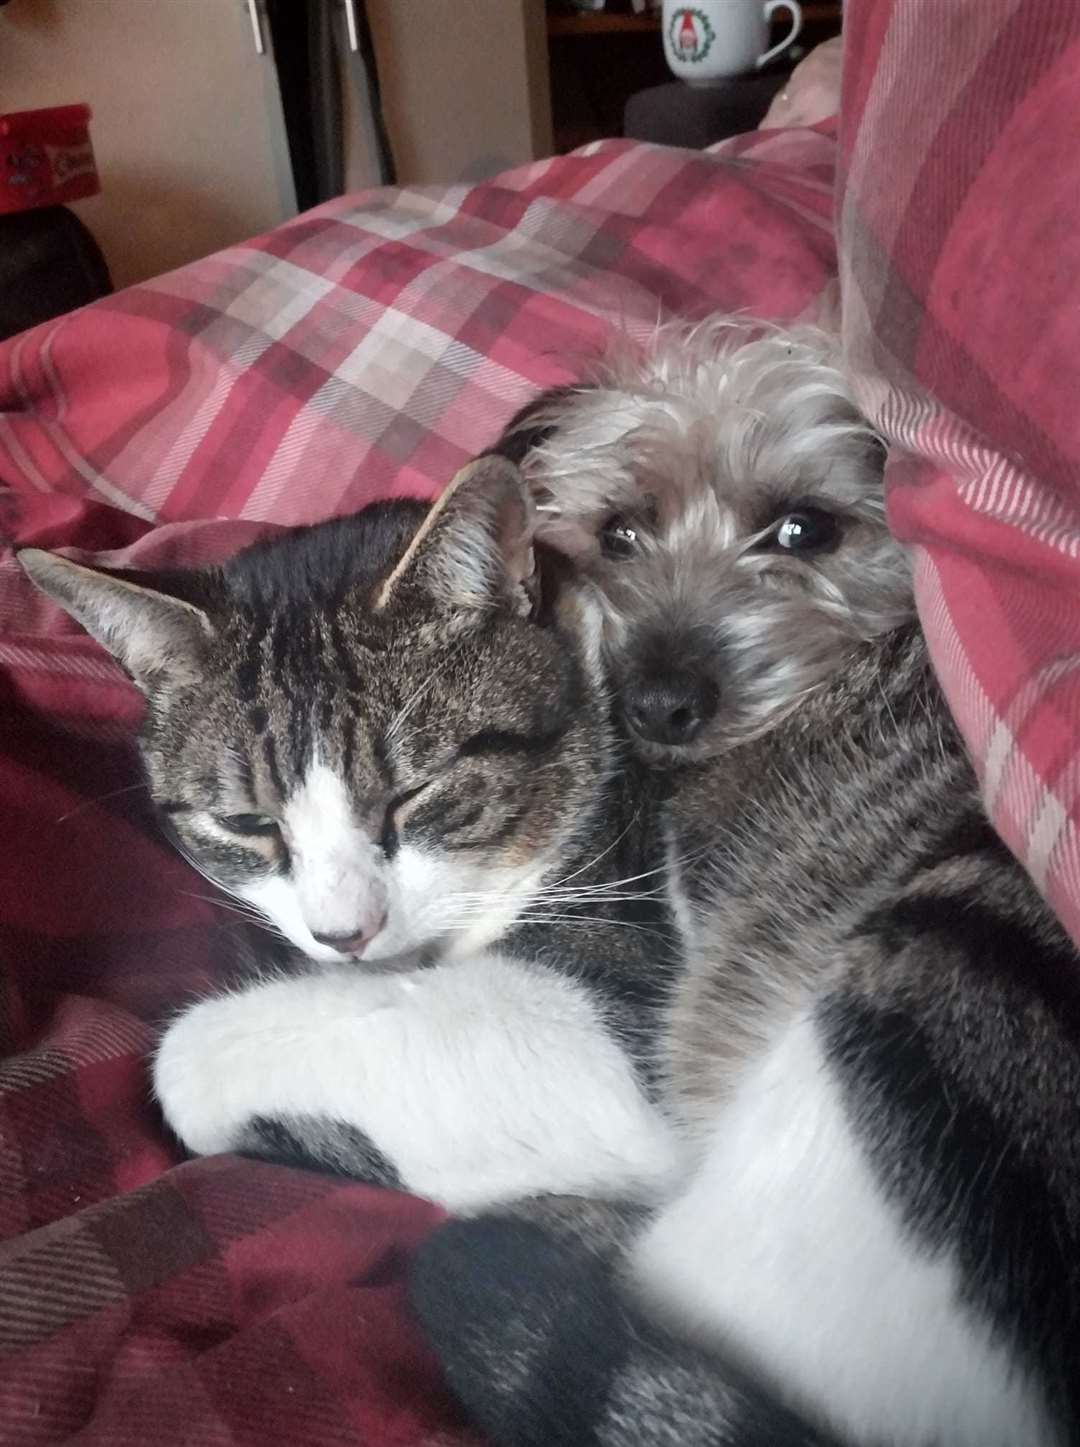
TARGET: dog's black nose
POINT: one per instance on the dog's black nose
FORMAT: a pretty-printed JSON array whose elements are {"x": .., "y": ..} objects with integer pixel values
[{"x": 670, "y": 708}]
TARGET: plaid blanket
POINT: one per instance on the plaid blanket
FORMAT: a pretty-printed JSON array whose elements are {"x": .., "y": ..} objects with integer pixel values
[
  {"x": 366, "y": 349},
  {"x": 959, "y": 240}
]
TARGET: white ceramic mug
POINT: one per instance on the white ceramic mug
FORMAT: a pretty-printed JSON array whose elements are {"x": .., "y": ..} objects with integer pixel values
[{"x": 705, "y": 41}]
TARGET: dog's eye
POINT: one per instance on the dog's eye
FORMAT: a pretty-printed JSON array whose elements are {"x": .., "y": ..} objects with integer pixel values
[
  {"x": 618, "y": 537},
  {"x": 807, "y": 531},
  {"x": 260, "y": 825}
]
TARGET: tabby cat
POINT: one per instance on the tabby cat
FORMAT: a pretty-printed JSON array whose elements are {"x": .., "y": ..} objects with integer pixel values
[{"x": 389, "y": 734}]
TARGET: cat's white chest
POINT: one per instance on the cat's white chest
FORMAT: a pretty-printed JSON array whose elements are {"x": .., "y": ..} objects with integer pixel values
[{"x": 784, "y": 1251}]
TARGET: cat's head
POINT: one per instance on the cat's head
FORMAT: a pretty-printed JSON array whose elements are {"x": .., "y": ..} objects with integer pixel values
[
  {"x": 725, "y": 496},
  {"x": 380, "y": 731}
]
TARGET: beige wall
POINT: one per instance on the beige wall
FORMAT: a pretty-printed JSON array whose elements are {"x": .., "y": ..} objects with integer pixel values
[
  {"x": 188, "y": 131},
  {"x": 464, "y": 85},
  {"x": 187, "y": 127}
]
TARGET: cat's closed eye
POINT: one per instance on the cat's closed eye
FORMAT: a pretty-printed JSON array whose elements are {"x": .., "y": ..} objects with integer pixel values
[
  {"x": 248, "y": 825},
  {"x": 488, "y": 742},
  {"x": 395, "y": 818}
]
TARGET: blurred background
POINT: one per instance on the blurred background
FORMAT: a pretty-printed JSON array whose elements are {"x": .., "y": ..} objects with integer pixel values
[{"x": 215, "y": 120}]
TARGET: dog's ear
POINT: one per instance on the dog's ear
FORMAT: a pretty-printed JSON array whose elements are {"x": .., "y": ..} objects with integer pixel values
[
  {"x": 574, "y": 534},
  {"x": 571, "y": 536},
  {"x": 532, "y": 425},
  {"x": 529, "y": 429}
]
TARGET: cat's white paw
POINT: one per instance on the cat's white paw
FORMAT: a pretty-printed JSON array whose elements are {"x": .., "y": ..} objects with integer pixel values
[
  {"x": 479, "y": 1081},
  {"x": 276, "y": 1047},
  {"x": 192, "y": 1068}
]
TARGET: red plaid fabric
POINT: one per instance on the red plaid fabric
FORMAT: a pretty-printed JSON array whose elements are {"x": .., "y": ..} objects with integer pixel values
[
  {"x": 959, "y": 239},
  {"x": 366, "y": 349},
  {"x": 228, "y": 1302}
]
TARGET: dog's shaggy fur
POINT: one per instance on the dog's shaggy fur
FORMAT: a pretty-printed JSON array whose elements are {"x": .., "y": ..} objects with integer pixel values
[
  {"x": 870, "y": 1051},
  {"x": 667, "y": 476}
]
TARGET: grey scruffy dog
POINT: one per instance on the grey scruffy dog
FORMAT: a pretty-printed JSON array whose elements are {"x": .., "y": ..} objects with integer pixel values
[{"x": 872, "y": 1058}]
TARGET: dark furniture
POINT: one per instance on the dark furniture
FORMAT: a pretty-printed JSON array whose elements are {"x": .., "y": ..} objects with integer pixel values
[
  {"x": 677, "y": 114},
  {"x": 49, "y": 264}
]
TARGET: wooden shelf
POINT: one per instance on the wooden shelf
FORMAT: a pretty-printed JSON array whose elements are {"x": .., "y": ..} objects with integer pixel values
[{"x": 602, "y": 22}]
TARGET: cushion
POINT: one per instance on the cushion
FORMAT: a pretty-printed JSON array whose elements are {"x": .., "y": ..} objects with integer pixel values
[{"x": 959, "y": 240}]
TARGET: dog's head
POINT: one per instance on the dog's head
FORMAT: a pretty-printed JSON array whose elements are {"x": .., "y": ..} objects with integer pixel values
[{"x": 724, "y": 497}]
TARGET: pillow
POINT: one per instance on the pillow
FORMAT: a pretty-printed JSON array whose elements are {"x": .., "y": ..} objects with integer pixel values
[{"x": 959, "y": 254}]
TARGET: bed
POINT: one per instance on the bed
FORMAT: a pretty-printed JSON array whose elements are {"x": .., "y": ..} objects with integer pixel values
[{"x": 367, "y": 349}]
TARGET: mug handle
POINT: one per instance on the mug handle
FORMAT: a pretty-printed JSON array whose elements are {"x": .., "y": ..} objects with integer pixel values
[{"x": 795, "y": 10}]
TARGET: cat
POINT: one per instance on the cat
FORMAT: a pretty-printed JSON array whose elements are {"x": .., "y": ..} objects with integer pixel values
[
  {"x": 872, "y": 1054},
  {"x": 389, "y": 734}
]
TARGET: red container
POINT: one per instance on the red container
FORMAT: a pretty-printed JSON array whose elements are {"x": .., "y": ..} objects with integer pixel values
[{"x": 46, "y": 158}]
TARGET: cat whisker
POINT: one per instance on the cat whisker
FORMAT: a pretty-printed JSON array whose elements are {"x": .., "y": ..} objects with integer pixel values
[
  {"x": 101, "y": 799},
  {"x": 246, "y": 911},
  {"x": 580, "y": 920},
  {"x": 591, "y": 863},
  {"x": 414, "y": 698},
  {"x": 483, "y": 898}
]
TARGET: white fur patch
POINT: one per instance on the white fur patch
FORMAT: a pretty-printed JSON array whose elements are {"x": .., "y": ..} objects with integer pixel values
[
  {"x": 341, "y": 883},
  {"x": 784, "y": 1249},
  {"x": 431, "y": 899},
  {"x": 338, "y": 870},
  {"x": 465, "y": 904},
  {"x": 275, "y": 897},
  {"x": 482, "y": 1081}
]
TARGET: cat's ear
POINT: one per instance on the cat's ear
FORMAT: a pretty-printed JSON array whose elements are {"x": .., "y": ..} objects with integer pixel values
[
  {"x": 474, "y": 550},
  {"x": 154, "y": 635}
]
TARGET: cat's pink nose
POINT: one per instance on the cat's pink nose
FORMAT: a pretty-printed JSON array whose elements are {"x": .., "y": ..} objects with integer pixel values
[{"x": 354, "y": 944}]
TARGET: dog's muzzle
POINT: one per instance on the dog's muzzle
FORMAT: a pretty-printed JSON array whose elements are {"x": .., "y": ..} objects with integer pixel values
[{"x": 670, "y": 708}]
